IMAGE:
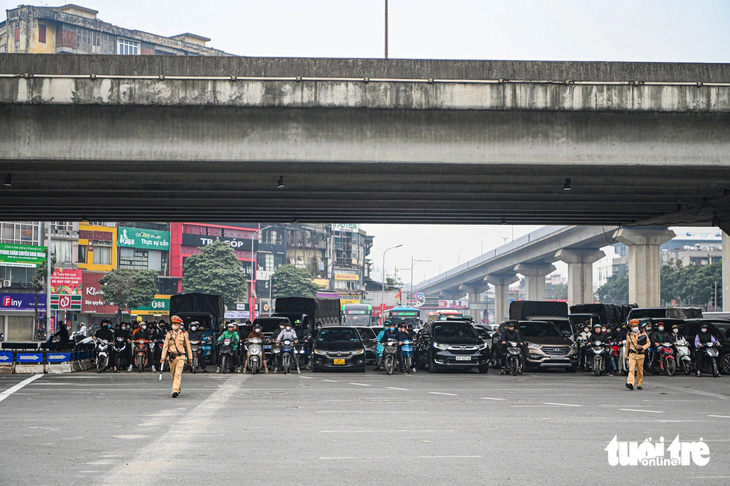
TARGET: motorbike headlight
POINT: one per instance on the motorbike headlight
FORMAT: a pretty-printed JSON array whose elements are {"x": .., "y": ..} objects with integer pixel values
[
  {"x": 440, "y": 346},
  {"x": 317, "y": 351},
  {"x": 359, "y": 351},
  {"x": 209, "y": 340},
  {"x": 533, "y": 346}
]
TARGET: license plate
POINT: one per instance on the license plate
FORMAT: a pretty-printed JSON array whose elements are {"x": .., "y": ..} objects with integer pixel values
[
  {"x": 463, "y": 358},
  {"x": 339, "y": 361},
  {"x": 558, "y": 357}
]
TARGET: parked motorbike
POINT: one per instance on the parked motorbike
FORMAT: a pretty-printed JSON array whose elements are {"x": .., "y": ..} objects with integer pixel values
[
  {"x": 406, "y": 351},
  {"x": 390, "y": 356},
  {"x": 254, "y": 353},
  {"x": 711, "y": 354},
  {"x": 600, "y": 354},
  {"x": 684, "y": 357},
  {"x": 666, "y": 360},
  {"x": 141, "y": 353},
  {"x": 102, "y": 355},
  {"x": 226, "y": 354},
  {"x": 197, "y": 348}
]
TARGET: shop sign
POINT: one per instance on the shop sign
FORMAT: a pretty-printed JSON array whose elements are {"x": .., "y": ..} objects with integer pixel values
[
  {"x": 160, "y": 305},
  {"x": 65, "y": 302},
  {"x": 344, "y": 227},
  {"x": 93, "y": 297},
  {"x": 344, "y": 300},
  {"x": 204, "y": 240},
  {"x": 143, "y": 238},
  {"x": 347, "y": 276},
  {"x": 26, "y": 256},
  {"x": 22, "y": 302},
  {"x": 66, "y": 281}
]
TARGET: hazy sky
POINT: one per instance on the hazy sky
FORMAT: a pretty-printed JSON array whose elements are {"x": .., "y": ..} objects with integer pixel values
[{"x": 581, "y": 30}]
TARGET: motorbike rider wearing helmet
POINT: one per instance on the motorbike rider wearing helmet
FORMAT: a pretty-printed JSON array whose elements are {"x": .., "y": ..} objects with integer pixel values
[
  {"x": 379, "y": 345},
  {"x": 194, "y": 334},
  {"x": 256, "y": 333},
  {"x": 157, "y": 334},
  {"x": 659, "y": 336},
  {"x": 584, "y": 338},
  {"x": 232, "y": 334},
  {"x": 510, "y": 334},
  {"x": 405, "y": 335},
  {"x": 122, "y": 359},
  {"x": 140, "y": 332},
  {"x": 106, "y": 333},
  {"x": 701, "y": 341},
  {"x": 598, "y": 335},
  {"x": 288, "y": 333},
  {"x": 391, "y": 333}
]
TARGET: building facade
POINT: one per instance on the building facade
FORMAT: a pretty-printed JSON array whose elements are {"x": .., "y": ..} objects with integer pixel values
[{"x": 73, "y": 29}]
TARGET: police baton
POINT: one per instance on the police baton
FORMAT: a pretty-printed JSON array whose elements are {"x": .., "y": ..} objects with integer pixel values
[{"x": 162, "y": 367}]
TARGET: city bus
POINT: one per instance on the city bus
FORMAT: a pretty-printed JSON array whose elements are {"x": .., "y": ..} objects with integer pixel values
[
  {"x": 444, "y": 314},
  {"x": 357, "y": 314},
  {"x": 401, "y": 314}
]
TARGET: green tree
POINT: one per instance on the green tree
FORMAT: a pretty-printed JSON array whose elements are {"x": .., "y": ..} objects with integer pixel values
[
  {"x": 559, "y": 291},
  {"x": 128, "y": 288},
  {"x": 615, "y": 290},
  {"x": 39, "y": 283},
  {"x": 690, "y": 285},
  {"x": 216, "y": 271},
  {"x": 294, "y": 282}
]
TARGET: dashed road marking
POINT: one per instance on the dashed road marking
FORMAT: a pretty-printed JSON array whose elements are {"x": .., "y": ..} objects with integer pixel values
[
  {"x": 563, "y": 404},
  {"x": 492, "y": 398},
  {"x": 331, "y": 381},
  {"x": 396, "y": 388},
  {"x": 442, "y": 393},
  {"x": 360, "y": 384},
  {"x": 639, "y": 410},
  {"x": 719, "y": 416}
]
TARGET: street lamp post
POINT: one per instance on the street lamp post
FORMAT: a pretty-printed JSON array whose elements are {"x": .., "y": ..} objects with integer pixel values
[
  {"x": 382, "y": 290},
  {"x": 252, "y": 287},
  {"x": 413, "y": 264}
]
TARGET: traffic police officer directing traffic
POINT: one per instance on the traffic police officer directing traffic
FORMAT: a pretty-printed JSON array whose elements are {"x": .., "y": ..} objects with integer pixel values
[{"x": 177, "y": 346}]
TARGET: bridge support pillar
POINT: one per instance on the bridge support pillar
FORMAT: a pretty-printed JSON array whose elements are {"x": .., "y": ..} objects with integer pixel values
[
  {"x": 501, "y": 282},
  {"x": 534, "y": 274},
  {"x": 477, "y": 305},
  {"x": 580, "y": 272},
  {"x": 644, "y": 262}
]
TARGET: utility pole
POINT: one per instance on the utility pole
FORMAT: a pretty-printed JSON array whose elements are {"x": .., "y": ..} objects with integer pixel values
[
  {"x": 413, "y": 263},
  {"x": 382, "y": 290},
  {"x": 386, "y": 29}
]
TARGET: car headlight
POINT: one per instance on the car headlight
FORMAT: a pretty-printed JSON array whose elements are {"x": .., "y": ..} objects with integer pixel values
[
  {"x": 359, "y": 351},
  {"x": 483, "y": 346},
  {"x": 440, "y": 346},
  {"x": 317, "y": 351},
  {"x": 533, "y": 346}
]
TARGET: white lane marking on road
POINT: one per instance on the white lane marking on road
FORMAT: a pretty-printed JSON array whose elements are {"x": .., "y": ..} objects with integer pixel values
[
  {"x": 396, "y": 388},
  {"x": 563, "y": 404},
  {"x": 400, "y": 457},
  {"x": 17, "y": 387},
  {"x": 639, "y": 410},
  {"x": 368, "y": 431},
  {"x": 369, "y": 411},
  {"x": 719, "y": 416},
  {"x": 306, "y": 377},
  {"x": 492, "y": 398},
  {"x": 331, "y": 381},
  {"x": 129, "y": 436},
  {"x": 442, "y": 393}
]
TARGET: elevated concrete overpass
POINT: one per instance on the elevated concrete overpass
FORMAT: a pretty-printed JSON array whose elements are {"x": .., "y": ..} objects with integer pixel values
[{"x": 362, "y": 140}]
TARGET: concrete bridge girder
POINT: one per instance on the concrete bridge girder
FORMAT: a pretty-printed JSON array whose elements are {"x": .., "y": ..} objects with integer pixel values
[
  {"x": 501, "y": 283},
  {"x": 644, "y": 262},
  {"x": 534, "y": 274}
]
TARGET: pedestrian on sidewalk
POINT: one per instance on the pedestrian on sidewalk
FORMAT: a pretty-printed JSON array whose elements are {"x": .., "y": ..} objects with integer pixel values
[
  {"x": 177, "y": 348},
  {"x": 637, "y": 342}
]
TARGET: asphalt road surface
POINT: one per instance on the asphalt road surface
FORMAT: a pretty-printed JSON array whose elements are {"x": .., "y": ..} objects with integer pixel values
[{"x": 353, "y": 428}]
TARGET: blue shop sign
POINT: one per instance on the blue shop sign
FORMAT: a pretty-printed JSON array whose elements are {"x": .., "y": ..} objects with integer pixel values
[{"x": 21, "y": 302}]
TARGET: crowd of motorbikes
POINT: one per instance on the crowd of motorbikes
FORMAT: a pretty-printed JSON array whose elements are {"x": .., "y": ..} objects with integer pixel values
[{"x": 607, "y": 354}]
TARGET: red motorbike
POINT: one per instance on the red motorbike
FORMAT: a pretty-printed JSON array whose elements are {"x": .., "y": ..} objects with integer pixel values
[
  {"x": 666, "y": 361},
  {"x": 141, "y": 354}
]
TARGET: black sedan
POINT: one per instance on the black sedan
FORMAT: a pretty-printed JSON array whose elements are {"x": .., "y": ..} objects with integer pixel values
[
  {"x": 339, "y": 348},
  {"x": 451, "y": 344}
]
